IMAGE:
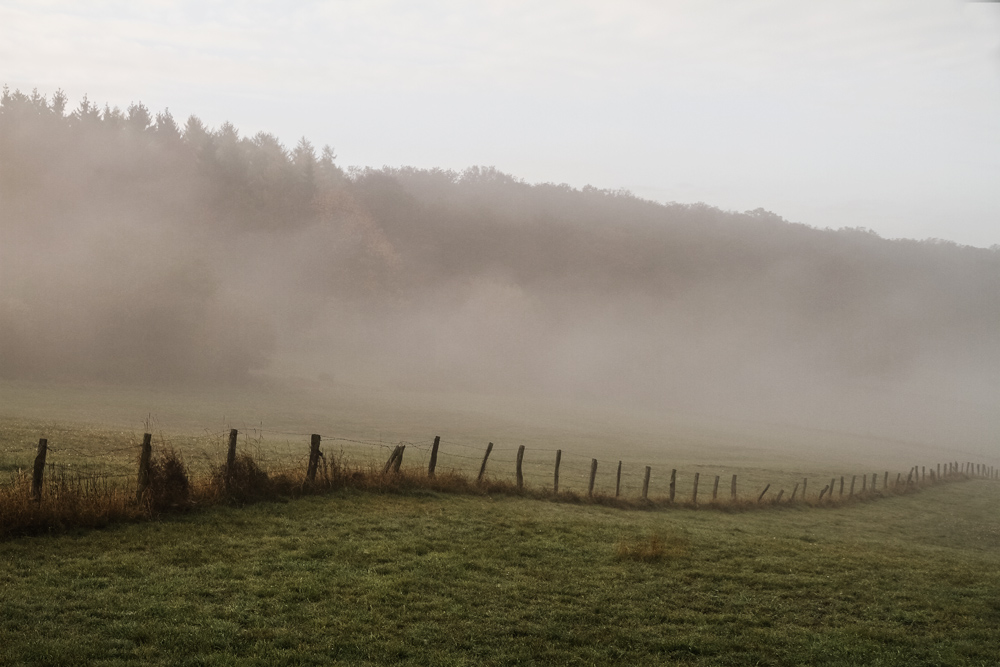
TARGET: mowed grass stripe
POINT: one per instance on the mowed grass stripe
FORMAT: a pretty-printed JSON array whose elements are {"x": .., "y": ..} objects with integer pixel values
[{"x": 425, "y": 578}]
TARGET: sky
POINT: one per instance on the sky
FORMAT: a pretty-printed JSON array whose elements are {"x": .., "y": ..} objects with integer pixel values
[{"x": 883, "y": 115}]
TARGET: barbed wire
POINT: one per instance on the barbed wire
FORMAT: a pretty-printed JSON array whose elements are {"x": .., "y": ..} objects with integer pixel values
[{"x": 282, "y": 456}]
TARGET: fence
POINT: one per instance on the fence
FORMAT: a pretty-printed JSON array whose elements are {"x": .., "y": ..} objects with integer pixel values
[{"x": 548, "y": 471}]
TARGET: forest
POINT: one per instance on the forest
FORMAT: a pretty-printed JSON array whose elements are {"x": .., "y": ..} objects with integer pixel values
[{"x": 136, "y": 248}]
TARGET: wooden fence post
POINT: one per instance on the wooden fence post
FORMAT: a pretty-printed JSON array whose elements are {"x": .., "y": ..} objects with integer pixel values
[
  {"x": 645, "y": 484},
  {"x": 864, "y": 483},
  {"x": 885, "y": 481},
  {"x": 694, "y": 495},
  {"x": 715, "y": 489},
  {"x": 520, "y": 458},
  {"x": 482, "y": 468},
  {"x": 874, "y": 479},
  {"x": 391, "y": 460},
  {"x": 761, "y": 496},
  {"x": 555, "y": 484},
  {"x": 734, "y": 488},
  {"x": 923, "y": 474},
  {"x": 853, "y": 479},
  {"x": 841, "y": 486},
  {"x": 593, "y": 476},
  {"x": 39, "y": 470},
  {"x": 673, "y": 483},
  {"x": 778, "y": 499},
  {"x": 618, "y": 480},
  {"x": 434, "y": 456},
  {"x": 939, "y": 470},
  {"x": 144, "y": 457},
  {"x": 231, "y": 457},
  {"x": 833, "y": 480},
  {"x": 793, "y": 492},
  {"x": 821, "y": 493},
  {"x": 314, "y": 455},
  {"x": 399, "y": 458}
]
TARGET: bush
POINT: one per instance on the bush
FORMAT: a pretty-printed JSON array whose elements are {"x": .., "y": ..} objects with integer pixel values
[
  {"x": 246, "y": 482},
  {"x": 169, "y": 486}
]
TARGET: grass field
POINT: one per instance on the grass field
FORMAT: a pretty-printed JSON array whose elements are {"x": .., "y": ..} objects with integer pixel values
[
  {"x": 421, "y": 578},
  {"x": 428, "y": 578}
]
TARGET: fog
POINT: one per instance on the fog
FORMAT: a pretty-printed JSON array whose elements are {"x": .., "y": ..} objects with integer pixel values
[{"x": 135, "y": 248}]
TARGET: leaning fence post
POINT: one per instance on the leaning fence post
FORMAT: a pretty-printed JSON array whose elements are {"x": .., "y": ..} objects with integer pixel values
[
  {"x": 482, "y": 468},
  {"x": 434, "y": 456},
  {"x": 593, "y": 476},
  {"x": 715, "y": 489},
  {"x": 391, "y": 460},
  {"x": 645, "y": 484},
  {"x": 761, "y": 496},
  {"x": 231, "y": 456},
  {"x": 618, "y": 480},
  {"x": 734, "y": 487},
  {"x": 399, "y": 458},
  {"x": 673, "y": 483},
  {"x": 555, "y": 484},
  {"x": 144, "y": 456},
  {"x": 778, "y": 499},
  {"x": 314, "y": 455},
  {"x": 694, "y": 494},
  {"x": 792, "y": 498},
  {"x": 39, "y": 471},
  {"x": 520, "y": 476},
  {"x": 825, "y": 489}
]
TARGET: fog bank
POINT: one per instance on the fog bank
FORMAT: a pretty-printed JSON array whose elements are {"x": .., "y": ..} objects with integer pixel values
[{"x": 134, "y": 248}]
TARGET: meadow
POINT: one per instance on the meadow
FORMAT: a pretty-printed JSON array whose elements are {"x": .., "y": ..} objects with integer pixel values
[
  {"x": 410, "y": 575},
  {"x": 439, "y": 579}
]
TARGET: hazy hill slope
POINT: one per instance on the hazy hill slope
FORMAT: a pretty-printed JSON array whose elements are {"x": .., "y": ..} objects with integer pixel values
[{"x": 134, "y": 247}]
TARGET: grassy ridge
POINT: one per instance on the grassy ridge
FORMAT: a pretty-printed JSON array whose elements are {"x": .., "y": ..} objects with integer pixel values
[{"x": 423, "y": 578}]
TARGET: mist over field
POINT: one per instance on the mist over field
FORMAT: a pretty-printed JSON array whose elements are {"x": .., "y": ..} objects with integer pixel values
[{"x": 137, "y": 248}]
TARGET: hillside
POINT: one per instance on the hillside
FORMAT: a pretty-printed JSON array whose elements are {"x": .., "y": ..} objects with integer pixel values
[{"x": 139, "y": 249}]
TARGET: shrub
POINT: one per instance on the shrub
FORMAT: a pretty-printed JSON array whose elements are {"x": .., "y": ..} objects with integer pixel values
[
  {"x": 169, "y": 485},
  {"x": 246, "y": 482}
]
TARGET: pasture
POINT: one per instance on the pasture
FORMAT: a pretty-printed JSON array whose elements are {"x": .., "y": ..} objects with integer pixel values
[{"x": 427, "y": 578}]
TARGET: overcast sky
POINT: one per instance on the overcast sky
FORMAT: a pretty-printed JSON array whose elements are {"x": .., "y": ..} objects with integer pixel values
[{"x": 879, "y": 114}]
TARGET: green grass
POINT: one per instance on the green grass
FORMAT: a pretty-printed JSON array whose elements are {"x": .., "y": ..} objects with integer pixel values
[
  {"x": 409, "y": 575},
  {"x": 430, "y": 579}
]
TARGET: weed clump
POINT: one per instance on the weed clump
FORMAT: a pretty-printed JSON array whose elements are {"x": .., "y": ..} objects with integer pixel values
[
  {"x": 244, "y": 482},
  {"x": 651, "y": 549},
  {"x": 169, "y": 484}
]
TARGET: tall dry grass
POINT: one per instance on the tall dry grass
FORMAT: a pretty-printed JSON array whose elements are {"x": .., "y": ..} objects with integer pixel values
[{"x": 67, "y": 502}]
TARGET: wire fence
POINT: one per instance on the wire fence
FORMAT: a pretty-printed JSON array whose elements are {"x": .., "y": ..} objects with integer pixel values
[{"x": 279, "y": 452}]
